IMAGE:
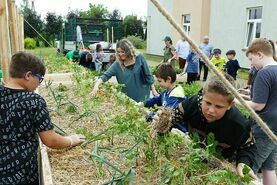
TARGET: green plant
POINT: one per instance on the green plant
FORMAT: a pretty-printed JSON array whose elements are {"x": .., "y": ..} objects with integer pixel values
[
  {"x": 62, "y": 87},
  {"x": 192, "y": 89},
  {"x": 29, "y": 43},
  {"x": 138, "y": 42},
  {"x": 243, "y": 111}
]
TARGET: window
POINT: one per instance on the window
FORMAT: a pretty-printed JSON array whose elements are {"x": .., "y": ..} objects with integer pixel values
[
  {"x": 186, "y": 23},
  {"x": 254, "y": 23}
]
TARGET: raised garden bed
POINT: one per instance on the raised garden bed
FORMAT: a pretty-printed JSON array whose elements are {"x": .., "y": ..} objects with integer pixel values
[{"x": 119, "y": 148}]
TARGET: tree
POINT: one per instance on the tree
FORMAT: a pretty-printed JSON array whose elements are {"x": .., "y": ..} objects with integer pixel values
[
  {"x": 34, "y": 20},
  {"x": 95, "y": 12},
  {"x": 53, "y": 26},
  {"x": 115, "y": 14},
  {"x": 132, "y": 26},
  {"x": 72, "y": 14}
]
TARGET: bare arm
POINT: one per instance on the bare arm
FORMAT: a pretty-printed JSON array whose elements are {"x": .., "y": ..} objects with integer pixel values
[
  {"x": 174, "y": 53},
  {"x": 96, "y": 87},
  {"x": 255, "y": 106},
  {"x": 53, "y": 140}
]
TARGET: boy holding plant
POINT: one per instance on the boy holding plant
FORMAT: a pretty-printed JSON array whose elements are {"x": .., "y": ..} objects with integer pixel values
[
  {"x": 171, "y": 96},
  {"x": 212, "y": 110}
]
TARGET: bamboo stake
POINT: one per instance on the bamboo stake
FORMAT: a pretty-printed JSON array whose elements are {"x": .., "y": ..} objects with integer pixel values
[
  {"x": 112, "y": 35},
  {"x": 21, "y": 32},
  {"x": 108, "y": 35},
  {"x": 13, "y": 23},
  {"x": 226, "y": 83},
  {"x": 5, "y": 46}
]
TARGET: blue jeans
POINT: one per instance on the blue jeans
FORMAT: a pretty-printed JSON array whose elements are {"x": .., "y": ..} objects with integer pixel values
[{"x": 98, "y": 66}]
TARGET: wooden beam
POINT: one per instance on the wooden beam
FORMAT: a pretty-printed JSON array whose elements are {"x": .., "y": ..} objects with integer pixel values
[
  {"x": 21, "y": 32},
  {"x": 5, "y": 46},
  {"x": 14, "y": 25},
  {"x": 45, "y": 168}
]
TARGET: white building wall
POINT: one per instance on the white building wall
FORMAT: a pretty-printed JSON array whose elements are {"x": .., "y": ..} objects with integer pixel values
[
  {"x": 228, "y": 24},
  {"x": 157, "y": 27}
]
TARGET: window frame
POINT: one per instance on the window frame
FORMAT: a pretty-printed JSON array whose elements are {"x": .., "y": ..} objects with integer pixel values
[
  {"x": 255, "y": 22},
  {"x": 186, "y": 25}
]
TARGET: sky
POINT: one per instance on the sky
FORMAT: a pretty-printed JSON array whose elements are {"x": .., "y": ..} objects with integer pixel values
[{"x": 61, "y": 7}]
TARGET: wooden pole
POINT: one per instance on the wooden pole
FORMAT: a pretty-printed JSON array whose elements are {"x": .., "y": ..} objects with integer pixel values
[
  {"x": 112, "y": 35},
  {"x": 21, "y": 32},
  {"x": 5, "y": 46},
  {"x": 108, "y": 35},
  {"x": 18, "y": 35},
  {"x": 13, "y": 24}
]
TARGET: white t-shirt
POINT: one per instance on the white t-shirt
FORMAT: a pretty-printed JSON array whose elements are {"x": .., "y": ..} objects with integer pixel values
[{"x": 182, "y": 48}]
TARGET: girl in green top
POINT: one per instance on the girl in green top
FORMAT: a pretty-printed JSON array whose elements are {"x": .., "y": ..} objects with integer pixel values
[
  {"x": 169, "y": 52},
  {"x": 132, "y": 71},
  {"x": 1, "y": 75}
]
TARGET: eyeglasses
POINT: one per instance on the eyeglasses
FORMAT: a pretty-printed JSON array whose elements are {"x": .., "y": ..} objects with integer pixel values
[{"x": 41, "y": 78}]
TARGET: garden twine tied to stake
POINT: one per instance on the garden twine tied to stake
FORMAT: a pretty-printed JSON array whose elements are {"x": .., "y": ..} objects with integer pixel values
[{"x": 226, "y": 83}]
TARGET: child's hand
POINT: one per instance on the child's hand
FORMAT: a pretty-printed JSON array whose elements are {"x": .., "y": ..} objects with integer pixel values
[
  {"x": 240, "y": 167},
  {"x": 94, "y": 92},
  {"x": 76, "y": 139},
  {"x": 154, "y": 92},
  {"x": 140, "y": 104}
]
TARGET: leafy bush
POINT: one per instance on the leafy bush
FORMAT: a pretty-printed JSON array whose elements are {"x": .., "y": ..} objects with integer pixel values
[
  {"x": 138, "y": 42},
  {"x": 29, "y": 43},
  {"x": 192, "y": 89}
]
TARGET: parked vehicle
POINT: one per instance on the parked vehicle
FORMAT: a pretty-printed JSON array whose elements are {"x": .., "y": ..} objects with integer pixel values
[{"x": 80, "y": 32}]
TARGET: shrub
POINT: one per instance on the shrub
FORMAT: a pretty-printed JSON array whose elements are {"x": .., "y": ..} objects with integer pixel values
[
  {"x": 29, "y": 43},
  {"x": 138, "y": 42},
  {"x": 192, "y": 89}
]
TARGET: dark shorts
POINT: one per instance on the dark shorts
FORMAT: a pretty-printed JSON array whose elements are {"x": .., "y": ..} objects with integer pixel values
[
  {"x": 266, "y": 155},
  {"x": 182, "y": 63}
]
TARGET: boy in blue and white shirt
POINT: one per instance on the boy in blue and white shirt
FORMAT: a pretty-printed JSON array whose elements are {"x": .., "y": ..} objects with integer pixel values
[{"x": 171, "y": 96}]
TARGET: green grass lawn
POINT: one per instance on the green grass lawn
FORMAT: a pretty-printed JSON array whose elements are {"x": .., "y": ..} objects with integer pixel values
[
  {"x": 243, "y": 74},
  {"x": 45, "y": 52},
  {"x": 150, "y": 57}
]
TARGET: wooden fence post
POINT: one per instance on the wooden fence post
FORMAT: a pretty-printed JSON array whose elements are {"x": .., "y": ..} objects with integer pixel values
[
  {"x": 21, "y": 32},
  {"x": 14, "y": 25},
  {"x": 5, "y": 46}
]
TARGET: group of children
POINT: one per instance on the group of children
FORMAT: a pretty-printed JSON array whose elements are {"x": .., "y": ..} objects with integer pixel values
[
  {"x": 24, "y": 114},
  {"x": 231, "y": 67},
  {"x": 213, "y": 110},
  {"x": 91, "y": 60}
]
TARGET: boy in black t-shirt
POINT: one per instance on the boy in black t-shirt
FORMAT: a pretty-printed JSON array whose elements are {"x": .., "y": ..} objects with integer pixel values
[
  {"x": 24, "y": 117},
  {"x": 232, "y": 66},
  {"x": 212, "y": 110}
]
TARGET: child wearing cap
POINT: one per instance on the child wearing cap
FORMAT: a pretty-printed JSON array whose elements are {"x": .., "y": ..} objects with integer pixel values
[
  {"x": 217, "y": 60},
  {"x": 73, "y": 56},
  {"x": 170, "y": 54}
]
